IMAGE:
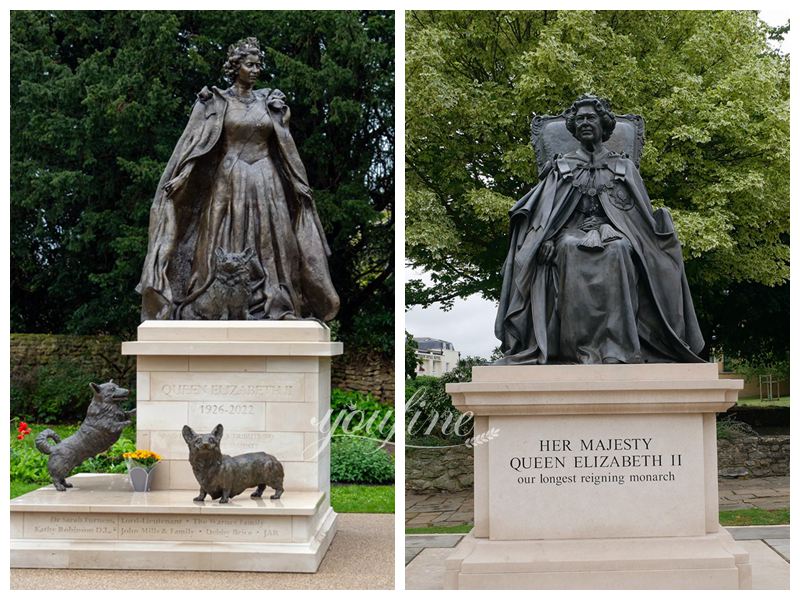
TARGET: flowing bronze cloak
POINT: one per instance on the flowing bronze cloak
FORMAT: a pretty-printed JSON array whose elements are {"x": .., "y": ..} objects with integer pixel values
[
  {"x": 174, "y": 222},
  {"x": 666, "y": 319}
]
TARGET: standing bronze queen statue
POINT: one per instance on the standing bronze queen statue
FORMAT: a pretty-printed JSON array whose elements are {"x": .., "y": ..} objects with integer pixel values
[
  {"x": 593, "y": 275},
  {"x": 234, "y": 232}
]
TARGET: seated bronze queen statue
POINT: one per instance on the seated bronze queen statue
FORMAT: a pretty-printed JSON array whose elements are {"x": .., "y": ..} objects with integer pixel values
[
  {"x": 234, "y": 232},
  {"x": 594, "y": 275}
]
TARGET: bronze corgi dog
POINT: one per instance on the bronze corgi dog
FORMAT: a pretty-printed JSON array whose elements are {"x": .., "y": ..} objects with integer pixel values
[
  {"x": 221, "y": 476},
  {"x": 102, "y": 426},
  {"x": 227, "y": 294}
]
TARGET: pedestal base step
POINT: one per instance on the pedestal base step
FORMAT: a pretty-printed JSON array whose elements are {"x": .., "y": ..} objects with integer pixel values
[
  {"x": 101, "y": 524},
  {"x": 712, "y": 561}
]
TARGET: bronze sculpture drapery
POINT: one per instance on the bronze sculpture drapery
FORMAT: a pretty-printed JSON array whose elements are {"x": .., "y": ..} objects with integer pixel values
[
  {"x": 594, "y": 275},
  {"x": 235, "y": 185}
]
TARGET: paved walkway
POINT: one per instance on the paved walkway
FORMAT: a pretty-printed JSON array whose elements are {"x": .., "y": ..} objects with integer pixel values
[
  {"x": 768, "y": 548},
  {"x": 447, "y": 509},
  {"x": 361, "y": 556},
  {"x": 765, "y": 492}
]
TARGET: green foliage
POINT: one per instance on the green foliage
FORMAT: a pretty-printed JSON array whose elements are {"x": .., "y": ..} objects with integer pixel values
[
  {"x": 412, "y": 362},
  {"x": 54, "y": 393},
  {"x": 21, "y": 487},
  {"x": 28, "y": 465},
  {"x": 429, "y": 408},
  {"x": 98, "y": 100},
  {"x": 749, "y": 323},
  {"x": 715, "y": 98},
  {"x": 357, "y": 460},
  {"x": 728, "y": 427},
  {"x": 360, "y": 414},
  {"x": 761, "y": 364},
  {"x": 783, "y": 402},
  {"x": 362, "y": 498},
  {"x": 439, "y": 529},
  {"x": 754, "y": 516}
]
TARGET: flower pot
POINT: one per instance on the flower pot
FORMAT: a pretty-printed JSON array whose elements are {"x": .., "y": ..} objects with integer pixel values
[{"x": 140, "y": 476}]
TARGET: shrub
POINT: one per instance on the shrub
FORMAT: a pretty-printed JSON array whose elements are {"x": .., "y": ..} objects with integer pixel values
[
  {"x": 429, "y": 408},
  {"x": 54, "y": 393},
  {"x": 728, "y": 427},
  {"x": 360, "y": 414},
  {"x": 356, "y": 460}
]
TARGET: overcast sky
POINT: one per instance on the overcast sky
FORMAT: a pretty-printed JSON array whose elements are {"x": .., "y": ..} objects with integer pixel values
[{"x": 470, "y": 324}]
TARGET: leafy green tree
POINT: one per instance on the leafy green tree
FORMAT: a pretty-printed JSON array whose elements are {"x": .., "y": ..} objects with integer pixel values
[
  {"x": 715, "y": 97},
  {"x": 98, "y": 101},
  {"x": 411, "y": 357}
]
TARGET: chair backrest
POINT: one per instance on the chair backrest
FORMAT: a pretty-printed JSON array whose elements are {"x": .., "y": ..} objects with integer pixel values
[{"x": 550, "y": 136}]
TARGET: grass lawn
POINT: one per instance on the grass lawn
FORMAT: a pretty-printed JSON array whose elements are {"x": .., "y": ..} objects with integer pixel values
[
  {"x": 63, "y": 431},
  {"x": 362, "y": 498},
  {"x": 451, "y": 529},
  {"x": 750, "y": 516},
  {"x": 754, "y": 516},
  {"x": 783, "y": 402},
  {"x": 23, "y": 487}
]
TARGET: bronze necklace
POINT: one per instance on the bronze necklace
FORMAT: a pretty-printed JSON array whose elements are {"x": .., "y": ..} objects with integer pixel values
[{"x": 246, "y": 100}]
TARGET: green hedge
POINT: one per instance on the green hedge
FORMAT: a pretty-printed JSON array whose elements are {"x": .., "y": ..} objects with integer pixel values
[
  {"x": 54, "y": 393},
  {"x": 361, "y": 415},
  {"x": 357, "y": 460}
]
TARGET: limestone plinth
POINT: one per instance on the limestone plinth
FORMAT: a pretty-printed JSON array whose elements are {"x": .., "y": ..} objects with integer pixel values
[
  {"x": 268, "y": 383},
  {"x": 596, "y": 476},
  {"x": 101, "y": 524}
]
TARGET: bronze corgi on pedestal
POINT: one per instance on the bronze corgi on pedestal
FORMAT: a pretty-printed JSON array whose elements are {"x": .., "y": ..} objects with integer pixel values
[
  {"x": 221, "y": 476},
  {"x": 102, "y": 426}
]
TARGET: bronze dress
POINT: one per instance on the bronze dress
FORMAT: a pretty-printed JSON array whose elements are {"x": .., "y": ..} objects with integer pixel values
[{"x": 247, "y": 188}]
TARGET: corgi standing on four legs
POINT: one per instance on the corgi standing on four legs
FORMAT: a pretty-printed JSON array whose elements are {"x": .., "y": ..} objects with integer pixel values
[{"x": 221, "y": 476}]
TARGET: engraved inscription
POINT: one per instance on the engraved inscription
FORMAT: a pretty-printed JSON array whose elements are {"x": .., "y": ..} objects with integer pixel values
[
  {"x": 225, "y": 390},
  {"x": 53, "y": 525},
  {"x": 227, "y": 387},
  {"x": 241, "y": 416},
  {"x": 157, "y": 527},
  {"x": 227, "y": 409},
  {"x": 243, "y": 529},
  {"x": 587, "y": 476},
  {"x": 285, "y": 446}
]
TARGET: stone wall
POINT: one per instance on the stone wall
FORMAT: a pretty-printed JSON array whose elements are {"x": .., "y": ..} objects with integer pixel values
[
  {"x": 763, "y": 456},
  {"x": 100, "y": 356},
  {"x": 366, "y": 373},
  {"x": 442, "y": 469}
]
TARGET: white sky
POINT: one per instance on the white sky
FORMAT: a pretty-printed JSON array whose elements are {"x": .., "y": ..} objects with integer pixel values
[{"x": 470, "y": 323}]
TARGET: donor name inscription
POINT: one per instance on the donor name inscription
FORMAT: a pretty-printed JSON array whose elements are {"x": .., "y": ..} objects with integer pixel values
[{"x": 589, "y": 456}]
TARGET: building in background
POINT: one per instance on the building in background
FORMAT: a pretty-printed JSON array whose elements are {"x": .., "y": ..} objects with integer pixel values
[{"x": 435, "y": 357}]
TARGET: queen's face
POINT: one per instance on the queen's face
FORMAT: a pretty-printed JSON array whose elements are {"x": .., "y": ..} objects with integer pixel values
[
  {"x": 588, "y": 128},
  {"x": 249, "y": 69}
]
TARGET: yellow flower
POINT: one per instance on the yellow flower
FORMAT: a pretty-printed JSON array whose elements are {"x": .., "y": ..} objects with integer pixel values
[{"x": 144, "y": 456}]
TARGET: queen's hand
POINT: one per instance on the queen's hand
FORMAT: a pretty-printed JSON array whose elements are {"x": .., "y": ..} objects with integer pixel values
[
  {"x": 302, "y": 189},
  {"x": 176, "y": 183}
]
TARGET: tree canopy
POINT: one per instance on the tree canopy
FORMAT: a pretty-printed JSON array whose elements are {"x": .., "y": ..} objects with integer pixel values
[
  {"x": 98, "y": 101},
  {"x": 714, "y": 93}
]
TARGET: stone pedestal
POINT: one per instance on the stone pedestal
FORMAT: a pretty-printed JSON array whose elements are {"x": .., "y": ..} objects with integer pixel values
[
  {"x": 268, "y": 383},
  {"x": 596, "y": 476},
  {"x": 101, "y": 524}
]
